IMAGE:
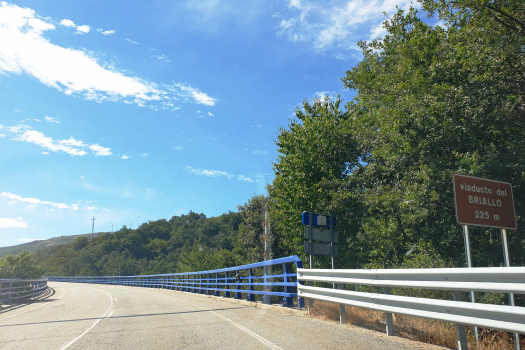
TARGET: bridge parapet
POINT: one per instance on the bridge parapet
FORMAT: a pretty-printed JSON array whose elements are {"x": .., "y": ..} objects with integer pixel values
[{"x": 267, "y": 278}]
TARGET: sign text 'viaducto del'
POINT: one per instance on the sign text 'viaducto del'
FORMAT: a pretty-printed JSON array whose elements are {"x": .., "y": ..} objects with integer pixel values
[{"x": 484, "y": 202}]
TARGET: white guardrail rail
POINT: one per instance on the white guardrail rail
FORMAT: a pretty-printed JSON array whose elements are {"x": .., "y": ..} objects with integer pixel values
[{"x": 491, "y": 279}]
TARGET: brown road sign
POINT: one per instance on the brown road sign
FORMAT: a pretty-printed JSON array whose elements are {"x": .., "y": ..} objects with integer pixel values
[{"x": 484, "y": 202}]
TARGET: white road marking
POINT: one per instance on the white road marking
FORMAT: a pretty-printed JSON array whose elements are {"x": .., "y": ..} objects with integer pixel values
[
  {"x": 111, "y": 313},
  {"x": 233, "y": 323},
  {"x": 63, "y": 347},
  {"x": 115, "y": 300},
  {"x": 5, "y": 318}
]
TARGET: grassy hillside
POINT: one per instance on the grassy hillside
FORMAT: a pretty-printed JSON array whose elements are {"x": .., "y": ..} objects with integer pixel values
[{"x": 38, "y": 245}]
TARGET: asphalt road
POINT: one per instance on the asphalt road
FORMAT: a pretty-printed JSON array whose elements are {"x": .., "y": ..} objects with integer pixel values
[{"x": 85, "y": 316}]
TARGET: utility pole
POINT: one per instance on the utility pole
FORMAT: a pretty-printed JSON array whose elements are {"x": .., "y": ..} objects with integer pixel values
[
  {"x": 93, "y": 227},
  {"x": 112, "y": 226}
]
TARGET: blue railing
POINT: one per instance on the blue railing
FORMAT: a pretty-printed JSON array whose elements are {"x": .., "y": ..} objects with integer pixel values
[
  {"x": 13, "y": 290},
  {"x": 266, "y": 278}
]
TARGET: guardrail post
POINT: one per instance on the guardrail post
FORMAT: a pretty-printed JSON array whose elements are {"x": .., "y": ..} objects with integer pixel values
[
  {"x": 300, "y": 301},
  {"x": 237, "y": 295},
  {"x": 226, "y": 294},
  {"x": 287, "y": 301},
  {"x": 461, "y": 330},
  {"x": 388, "y": 316},
  {"x": 342, "y": 309},
  {"x": 267, "y": 299},
  {"x": 216, "y": 293},
  {"x": 250, "y": 296}
]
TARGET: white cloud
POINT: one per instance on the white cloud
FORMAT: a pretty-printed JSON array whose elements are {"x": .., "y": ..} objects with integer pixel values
[
  {"x": 106, "y": 32},
  {"x": 2, "y": 135},
  {"x": 339, "y": 25},
  {"x": 124, "y": 156},
  {"x": 37, "y": 120},
  {"x": 131, "y": 41},
  {"x": 26, "y": 240},
  {"x": 68, "y": 23},
  {"x": 44, "y": 152},
  {"x": 70, "y": 146},
  {"x": 24, "y": 49},
  {"x": 211, "y": 173},
  {"x": 163, "y": 58},
  {"x": 51, "y": 120},
  {"x": 84, "y": 29},
  {"x": 144, "y": 154},
  {"x": 210, "y": 114},
  {"x": 34, "y": 201},
  {"x": 243, "y": 178},
  {"x": 187, "y": 91},
  {"x": 258, "y": 151},
  {"x": 321, "y": 94},
  {"x": 92, "y": 208},
  {"x": 178, "y": 147},
  {"x": 217, "y": 173},
  {"x": 256, "y": 125},
  {"x": 82, "y": 177},
  {"x": 100, "y": 151},
  {"x": 9, "y": 222}
]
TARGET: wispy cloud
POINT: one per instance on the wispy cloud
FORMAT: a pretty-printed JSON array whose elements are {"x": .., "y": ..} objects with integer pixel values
[
  {"x": 217, "y": 173},
  {"x": 210, "y": 114},
  {"x": 24, "y": 49},
  {"x": 163, "y": 58},
  {"x": 178, "y": 147},
  {"x": 124, "y": 156},
  {"x": 52, "y": 120},
  {"x": 26, "y": 240},
  {"x": 70, "y": 146},
  {"x": 211, "y": 173},
  {"x": 335, "y": 25},
  {"x": 34, "y": 201},
  {"x": 131, "y": 41},
  {"x": 106, "y": 32},
  {"x": 258, "y": 151},
  {"x": 92, "y": 208},
  {"x": 186, "y": 91},
  {"x": 2, "y": 135},
  {"x": 10, "y": 222}
]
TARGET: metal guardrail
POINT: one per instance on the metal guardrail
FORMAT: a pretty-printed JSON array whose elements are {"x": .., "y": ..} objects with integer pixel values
[
  {"x": 12, "y": 290},
  {"x": 267, "y": 278},
  {"x": 493, "y": 280}
]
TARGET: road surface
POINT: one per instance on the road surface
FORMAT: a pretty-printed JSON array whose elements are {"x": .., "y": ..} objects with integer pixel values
[{"x": 90, "y": 316}]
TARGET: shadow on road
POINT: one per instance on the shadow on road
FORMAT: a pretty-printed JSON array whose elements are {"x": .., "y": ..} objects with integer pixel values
[
  {"x": 42, "y": 298},
  {"x": 123, "y": 317}
]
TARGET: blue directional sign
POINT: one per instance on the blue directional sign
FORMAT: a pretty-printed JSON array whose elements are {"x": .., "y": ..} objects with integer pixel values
[{"x": 317, "y": 220}]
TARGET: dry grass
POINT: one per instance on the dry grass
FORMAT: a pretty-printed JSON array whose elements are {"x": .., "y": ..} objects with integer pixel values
[{"x": 414, "y": 328}]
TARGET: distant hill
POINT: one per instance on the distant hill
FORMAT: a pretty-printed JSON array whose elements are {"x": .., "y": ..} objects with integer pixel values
[{"x": 41, "y": 244}]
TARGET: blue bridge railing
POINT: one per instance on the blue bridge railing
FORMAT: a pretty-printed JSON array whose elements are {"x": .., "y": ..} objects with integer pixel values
[
  {"x": 15, "y": 290},
  {"x": 266, "y": 279}
]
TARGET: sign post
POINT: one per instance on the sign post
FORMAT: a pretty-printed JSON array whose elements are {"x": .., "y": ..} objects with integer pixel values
[{"x": 486, "y": 203}]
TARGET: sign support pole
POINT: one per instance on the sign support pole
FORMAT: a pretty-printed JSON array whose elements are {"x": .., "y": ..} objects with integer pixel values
[
  {"x": 310, "y": 223},
  {"x": 506, "y": 260},
  {"x": 469, "y": 265}
]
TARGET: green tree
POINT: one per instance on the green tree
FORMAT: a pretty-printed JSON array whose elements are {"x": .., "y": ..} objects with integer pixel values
[
  {"x": 432, "y": 101},
  {"x": 19, "y": 266},
  {"x": 318, "y": 154},
  {"x": 80, "y": 243}
]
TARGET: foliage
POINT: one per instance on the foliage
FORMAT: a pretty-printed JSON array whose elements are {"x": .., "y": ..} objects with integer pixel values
[
  {"x": 19, "y": 266},
  {"x": 431, "y": 101}
]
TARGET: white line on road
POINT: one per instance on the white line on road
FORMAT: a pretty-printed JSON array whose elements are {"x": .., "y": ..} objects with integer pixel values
[
  {"x": 111, "y": 313},
  {"x": 5, "y": 318},
  {"x": 63, "y": 347},
  {"x": 233, "y": 323}
]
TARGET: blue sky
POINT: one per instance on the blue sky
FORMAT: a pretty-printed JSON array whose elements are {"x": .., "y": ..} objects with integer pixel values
[{"x": 135, "y": 111}]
